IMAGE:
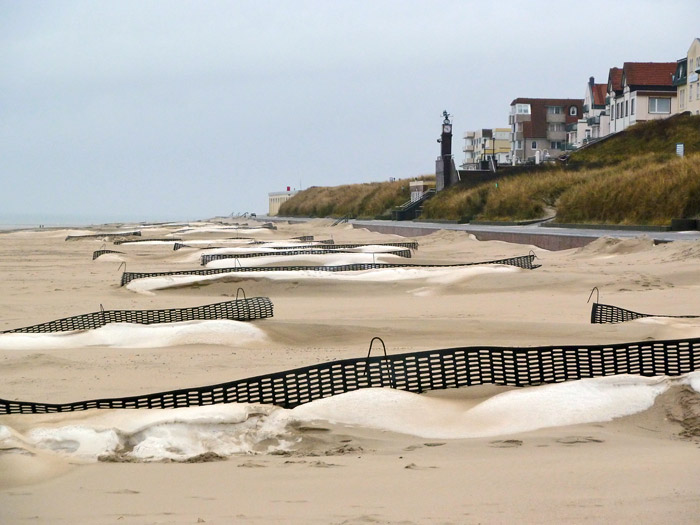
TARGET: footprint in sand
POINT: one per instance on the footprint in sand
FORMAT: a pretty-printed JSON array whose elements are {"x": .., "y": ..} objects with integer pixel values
[
  {"x": 577, "y": 440},
  {"x": 506, "y": 443}
]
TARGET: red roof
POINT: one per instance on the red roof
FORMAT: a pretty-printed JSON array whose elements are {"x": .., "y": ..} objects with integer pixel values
[
  {"x": 600, "y": 91},
  {"x": 649, "y": 73},
  {"x": 615, "y": 79}
]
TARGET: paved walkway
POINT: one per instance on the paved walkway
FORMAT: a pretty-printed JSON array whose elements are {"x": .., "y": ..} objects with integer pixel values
[{"x": 550, "y": 238}]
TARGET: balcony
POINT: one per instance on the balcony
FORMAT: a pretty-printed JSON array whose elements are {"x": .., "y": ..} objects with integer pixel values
[
  {"x": 518, "y": 135},
  {"x": 593, "y": 121},
  {"x": 556, "y": 117},
  {"x": 570, "y": 127},
  {"x": 470, "y": 147},
  {"x": 556, "y": 135},
  {"x": 585, "y": 108}
]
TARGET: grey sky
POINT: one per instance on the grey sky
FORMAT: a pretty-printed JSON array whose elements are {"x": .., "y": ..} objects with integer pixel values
[{"x": 145, "y": 109}]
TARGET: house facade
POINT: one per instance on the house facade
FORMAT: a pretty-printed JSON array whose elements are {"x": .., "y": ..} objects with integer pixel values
[
  {"x": 680, "y": 82},
  {"x": 693, "y": 79},
  {"x": 614, "y": 90},
  {"x": 645, "y": 91},
  {"x": 539, "y": 127},
  {"x": 595, "y": 117}
]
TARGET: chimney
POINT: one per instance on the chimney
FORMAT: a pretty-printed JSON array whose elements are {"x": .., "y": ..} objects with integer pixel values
[{"x": 591, "y": 81}]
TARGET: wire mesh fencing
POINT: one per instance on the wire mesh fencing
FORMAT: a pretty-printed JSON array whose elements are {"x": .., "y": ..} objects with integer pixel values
[
  {"x": 606, "y": 313},
  {"x": 413, "y": 372},
  {"x": 524, "y": 261},
  {"x": 238, "y": 310}
]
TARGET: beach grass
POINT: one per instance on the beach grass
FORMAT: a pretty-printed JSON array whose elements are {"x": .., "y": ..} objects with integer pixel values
[{"x": 363, "y": 201}]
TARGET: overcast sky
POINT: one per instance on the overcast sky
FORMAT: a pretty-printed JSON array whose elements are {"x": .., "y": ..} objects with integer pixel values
[{"x": 170, "y": 109}]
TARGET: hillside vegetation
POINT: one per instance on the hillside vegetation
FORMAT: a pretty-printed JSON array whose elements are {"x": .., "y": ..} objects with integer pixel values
[
  {"x": 631, "y": 178},
  {"x": 365, "y": 201}
]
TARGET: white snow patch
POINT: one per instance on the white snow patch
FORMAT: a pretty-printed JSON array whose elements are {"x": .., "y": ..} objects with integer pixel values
[
  {"x": 316, "y": 259},
  {"x": 515, "y": 411},
  {"x": 228, "y": 429},
  {"x": 127, "y": 335}
]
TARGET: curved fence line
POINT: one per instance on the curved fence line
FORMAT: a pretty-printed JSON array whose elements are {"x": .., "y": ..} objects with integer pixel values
[
  {"x": 103, "y": 236},
  {"x": 207, "y": 258},
  {"x": 524, "y": 261},
  {"x": 407, "y": 245},
  {"x": 97, "y": 253},
  {"x": 125, "y": 241},
  {"x": 238, "y": 310},
  {"x": 414, "y": 372},
  {"x": 605, "y": 313}
]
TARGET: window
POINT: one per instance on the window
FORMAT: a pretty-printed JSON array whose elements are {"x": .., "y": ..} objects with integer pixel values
[
  {"x": 556, "y": 145},
  {"x": 612, "y": 112},
  {"x": 632, "y": 107},
  {"x": 627, "y": 108},
  {"x": 534, "y": 144},
  {"x": 521, "y": 109},
  {"x": 518, "y": 144},
  {"x": 659, "y": 105},
  {"x": 681, "y": 96},
  {"x": 554, "y": 110},
  {"x": 690, "y": 93},
  {"x": 697, "y": 91},
  {"x": 573, "y": 111},
  {"x": 556, "y": 126}
]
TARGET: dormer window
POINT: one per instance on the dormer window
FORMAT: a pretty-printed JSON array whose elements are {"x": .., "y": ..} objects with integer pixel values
[{"x": 573, "y": 111}]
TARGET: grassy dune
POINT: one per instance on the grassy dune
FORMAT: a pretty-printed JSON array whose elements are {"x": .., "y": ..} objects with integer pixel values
[
  {"x": 633, "y": 177},
  {"x": 368, "y": 200},
  {"x": 642, "y": 190}
]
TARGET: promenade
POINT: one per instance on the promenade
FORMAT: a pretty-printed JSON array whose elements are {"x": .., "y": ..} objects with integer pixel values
[{"x": 549, "y": 238}]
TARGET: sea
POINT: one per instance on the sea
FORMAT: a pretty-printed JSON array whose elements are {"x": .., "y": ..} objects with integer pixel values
[{"x": 18, "y": 221}]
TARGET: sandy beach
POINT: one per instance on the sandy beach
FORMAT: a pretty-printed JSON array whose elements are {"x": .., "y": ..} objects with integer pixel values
[{"x": 602, "y": 450}]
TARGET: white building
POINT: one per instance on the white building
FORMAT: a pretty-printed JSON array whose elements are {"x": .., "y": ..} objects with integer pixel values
[{"x": 277, "y": 198}]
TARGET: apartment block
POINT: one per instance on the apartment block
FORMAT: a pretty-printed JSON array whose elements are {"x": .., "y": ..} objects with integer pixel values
[
  {"x": 483, "y": 144},
  {"x": 538, "y": 127}
]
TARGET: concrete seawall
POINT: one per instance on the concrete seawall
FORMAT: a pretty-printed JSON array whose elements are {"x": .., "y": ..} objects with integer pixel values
[
  {"x": 550, "y": 238},
  {"x": 552, "y": 242}
]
